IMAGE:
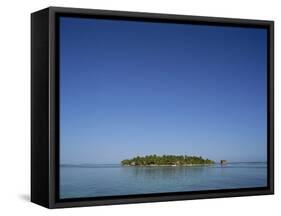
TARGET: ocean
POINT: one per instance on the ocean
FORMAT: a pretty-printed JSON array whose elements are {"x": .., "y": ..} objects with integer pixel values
[{"x": 78, "y": 181}]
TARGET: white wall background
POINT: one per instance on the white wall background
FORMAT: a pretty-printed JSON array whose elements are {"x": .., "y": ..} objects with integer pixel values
[{"x": 15, "y": 106}]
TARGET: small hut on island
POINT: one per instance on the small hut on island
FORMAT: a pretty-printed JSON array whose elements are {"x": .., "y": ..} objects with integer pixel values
[{"x": 223, "y": 162}]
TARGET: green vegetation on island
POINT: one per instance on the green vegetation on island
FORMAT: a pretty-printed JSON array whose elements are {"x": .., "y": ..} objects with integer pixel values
[{"x": 166, "y": 160}]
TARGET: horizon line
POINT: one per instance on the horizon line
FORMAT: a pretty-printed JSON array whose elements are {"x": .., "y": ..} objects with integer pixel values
[{"x": 79, "y": 164}]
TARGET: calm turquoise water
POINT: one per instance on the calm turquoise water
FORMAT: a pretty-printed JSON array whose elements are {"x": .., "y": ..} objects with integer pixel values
[{"x": 108, "y": 180}]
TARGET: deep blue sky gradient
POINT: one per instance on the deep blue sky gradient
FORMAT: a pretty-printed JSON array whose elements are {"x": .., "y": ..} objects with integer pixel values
[{"x": 132, "y": 88}]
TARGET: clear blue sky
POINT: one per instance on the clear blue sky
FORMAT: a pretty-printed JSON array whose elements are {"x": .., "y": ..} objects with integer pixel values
[{"x": 132, "y": 88}]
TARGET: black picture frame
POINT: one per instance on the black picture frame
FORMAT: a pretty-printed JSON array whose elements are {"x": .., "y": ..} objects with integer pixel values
[{"x": 45, "y": 107}]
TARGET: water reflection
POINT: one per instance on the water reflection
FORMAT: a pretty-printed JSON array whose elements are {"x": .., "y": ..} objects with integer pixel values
[
  {"x": 107, "y": 180},
  {"x": 164, "y": 172}
]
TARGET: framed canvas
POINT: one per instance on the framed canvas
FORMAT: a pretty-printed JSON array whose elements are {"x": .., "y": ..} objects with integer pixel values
[{"x": 138, "y": 107}]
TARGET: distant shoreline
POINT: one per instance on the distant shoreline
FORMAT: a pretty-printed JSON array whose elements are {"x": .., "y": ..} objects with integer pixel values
[
  {"x": 89, "y": 165},
  {"x": 166, "y": 160},
  {"x": 170, "y": 165}
]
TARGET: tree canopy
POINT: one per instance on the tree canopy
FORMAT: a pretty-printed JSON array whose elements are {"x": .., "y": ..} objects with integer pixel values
[{"x": 150, "y": 160}]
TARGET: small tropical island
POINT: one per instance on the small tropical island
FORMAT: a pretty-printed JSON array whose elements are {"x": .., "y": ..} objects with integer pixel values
[{"x": 166, "y": 160}]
